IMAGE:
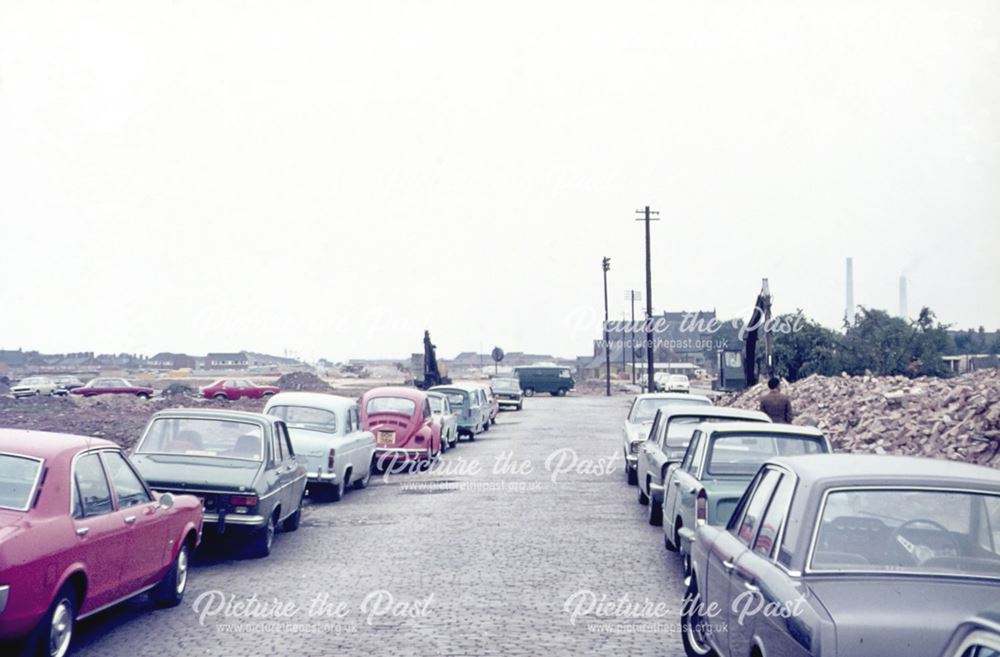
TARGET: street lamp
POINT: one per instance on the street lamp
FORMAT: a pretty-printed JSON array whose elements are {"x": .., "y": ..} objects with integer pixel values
[{"x": 606, "y": 265}]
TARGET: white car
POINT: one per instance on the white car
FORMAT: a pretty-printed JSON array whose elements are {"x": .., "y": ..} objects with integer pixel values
[
  {"x": 640, "y": 417},
  {"x": 326, "y": 435},
  {"x": 34, "y": 385},
  {"x": 677, "y": 383},
  {"x": 441, "y": 409}
]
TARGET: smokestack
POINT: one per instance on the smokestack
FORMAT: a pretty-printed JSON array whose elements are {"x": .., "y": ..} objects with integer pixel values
[
  {"x": 902, "y": 298},
  {"x": 849, "y": 311}
]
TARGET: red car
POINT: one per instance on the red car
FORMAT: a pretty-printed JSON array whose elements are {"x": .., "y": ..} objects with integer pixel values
[
  {"x": 233, "y": 389},
  {"x": 403, "y": 424},
  {"x": 79, "y": 531},
  {"x": 112, "y": 386}
]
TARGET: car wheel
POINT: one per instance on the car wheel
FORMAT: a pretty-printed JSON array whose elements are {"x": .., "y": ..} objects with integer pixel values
[
  {"x": 529, "y": 392},
  {"x": 655, "y": 512},
  {"x": 143, "y": 395},
  {"x": 643, "y": 499},
  {"x": 267, "y": 394},
  {"x": 631, "y": 476},
  {"x": 53, "y": 635},
  {"x": 337, "y": 491},
  {"x": 693, "y": 624},
  {"x": 170, "y": 590},
  {"x": 293, "y": 521},
  {"x": 670, "y": 544},
  {"x": 561, "y": 392},
  {"x": 444, "y": 444},
  {"x": 362, "y": 483},
  {"x": 486, "y": 426},
  {"x": 520, "y": 406},
  {"x": 686, "y": 564},
  {"x": 221, "y": 396},
  {"x": 263, "y": 540}
]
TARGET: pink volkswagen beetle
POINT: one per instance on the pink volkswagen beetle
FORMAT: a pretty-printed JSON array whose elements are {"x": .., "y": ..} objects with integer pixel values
[
  {"x": 403, "y": 424},
  {"x": 79, "y": 531}
]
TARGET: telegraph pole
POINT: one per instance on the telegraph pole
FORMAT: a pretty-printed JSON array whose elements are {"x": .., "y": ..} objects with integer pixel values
[
  {"x": 606, "y": 265},
  {"x": 647, "y": 216},
  {"x": 633, "y": 296}
]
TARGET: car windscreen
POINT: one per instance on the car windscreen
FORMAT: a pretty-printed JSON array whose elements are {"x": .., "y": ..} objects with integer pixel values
[
  {"x": 437, "y": 403},
  {"x": 306, "y": 417},
  {"x": 396, "y": 405},
  {"x": 740, "y": 455},
  {"x": 204, "y": 437},
  {"x": 18, "y": 475},
  {"x": 34, "y": 381},
  {"x": 506, "y": 385},
  {"x": 919, "y": 531}
]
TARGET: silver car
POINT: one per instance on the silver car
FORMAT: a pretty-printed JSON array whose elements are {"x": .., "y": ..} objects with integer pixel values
[{"x": 640, "y": 417}]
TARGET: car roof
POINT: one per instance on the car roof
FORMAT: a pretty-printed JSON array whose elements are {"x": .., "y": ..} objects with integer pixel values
[
  {"x": 711, "y": 411},
  {"x": 876, "y": 469},
  {"x": 396, "y": 391},
  {"x": 213, "y": 414},
  {"x": 679, "y": 396},
  {"x": 759, "y": 427},
  {"x": 45, "y": 444},
  {"x": 465, "y": 387},
  {"x": 311, "y": 400}
]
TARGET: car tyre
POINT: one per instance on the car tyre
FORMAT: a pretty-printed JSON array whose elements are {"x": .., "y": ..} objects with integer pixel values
[
  {"x": 693, "y": 624},
  {"x": 170, "y": 590},
  {"x": 337, "y": 491},
  {"x": 292, "y": 522},
  {"x": 143, "y": 395},
  {"x": 221, "y": 396},
  {"x": 643, "y": 499},
  {"x": 670, "y": 544},
  {"x": 631, "y": 476},
  {"x": 655, "y": 512},
  {"x": 362, "y": 483},
  {"x": 529, "y": 392},
  {"x": 520, "y": 405},
  {"x": 56, "y": 627},
  {"x": 263, "y": 540}
]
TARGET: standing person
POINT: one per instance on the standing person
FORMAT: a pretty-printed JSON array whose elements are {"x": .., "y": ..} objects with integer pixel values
[{"x": 776, "y": 404}]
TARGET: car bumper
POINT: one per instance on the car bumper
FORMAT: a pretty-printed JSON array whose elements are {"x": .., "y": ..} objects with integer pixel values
[
  {"x": 23, "y": 393},
  {"x": 322, "y": 477},
  {"x": 631, "y": 460},
  {"x": 237, "y": 519},
  {"x": 4, "y": 593},
  {"x": 397, "y": 452},
  {"x": 509, "y": 402}
]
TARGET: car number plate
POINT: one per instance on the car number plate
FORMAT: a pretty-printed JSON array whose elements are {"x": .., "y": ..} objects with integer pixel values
[{"x": 385, "y": 437}]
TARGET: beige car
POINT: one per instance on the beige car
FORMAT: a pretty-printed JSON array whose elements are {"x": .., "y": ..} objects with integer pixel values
[{"x": 34, "y": 385}]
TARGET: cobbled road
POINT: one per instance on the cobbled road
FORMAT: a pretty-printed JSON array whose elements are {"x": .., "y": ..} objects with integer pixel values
[{"x": 524, "y": 542}]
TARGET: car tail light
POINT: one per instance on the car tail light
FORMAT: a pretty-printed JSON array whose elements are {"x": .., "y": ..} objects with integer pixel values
[
  {"x": 634, "y": 447},
  {"x": 330, "y": 458},
  {"x": 701, "y": 507},
  {"x": 243, "y": 500}
]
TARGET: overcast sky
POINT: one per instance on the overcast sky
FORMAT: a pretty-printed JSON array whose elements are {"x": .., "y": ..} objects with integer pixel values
[{"x": 332, "y": 178}]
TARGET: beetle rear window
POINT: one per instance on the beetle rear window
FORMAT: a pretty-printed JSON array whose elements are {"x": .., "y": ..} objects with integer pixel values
[
  {"x": 18, "y": 475},
  {"x": 396, "y": 405}
]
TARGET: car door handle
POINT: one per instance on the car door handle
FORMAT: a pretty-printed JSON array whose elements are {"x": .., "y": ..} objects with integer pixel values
[
  {"x": 750, "y": 586},
  {"x": 82, "y": 531},
  {"x": 129, "y": 520},
  {"x": 728, "y": 565},
  {"x": 676, "y": 483}
]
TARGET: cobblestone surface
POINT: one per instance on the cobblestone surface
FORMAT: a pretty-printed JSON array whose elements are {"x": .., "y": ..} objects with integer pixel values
[{"x": 450, "y": 562}]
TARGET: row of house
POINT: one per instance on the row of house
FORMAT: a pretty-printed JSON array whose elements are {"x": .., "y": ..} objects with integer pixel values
[{"x": 19, "y": 361}]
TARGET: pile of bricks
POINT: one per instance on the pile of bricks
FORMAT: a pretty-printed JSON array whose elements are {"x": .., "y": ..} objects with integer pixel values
[{"x": 956, "y": 418}]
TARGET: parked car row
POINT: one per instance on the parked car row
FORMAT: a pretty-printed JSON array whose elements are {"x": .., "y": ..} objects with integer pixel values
[
  {"x": 764, "y": 516},
  {"x": 225, "y": 388},
  {"x": 88, "y": 526}
]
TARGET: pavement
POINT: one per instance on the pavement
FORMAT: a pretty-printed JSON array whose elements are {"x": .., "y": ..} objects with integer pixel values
[{"x": 525, "y": 542}]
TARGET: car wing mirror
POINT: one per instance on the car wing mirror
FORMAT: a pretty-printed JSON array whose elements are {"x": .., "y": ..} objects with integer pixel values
[{"x": 166, "y": 501}]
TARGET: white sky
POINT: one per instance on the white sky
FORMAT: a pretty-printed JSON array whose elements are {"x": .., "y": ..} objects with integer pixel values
[{"x": 333, "y": 177}]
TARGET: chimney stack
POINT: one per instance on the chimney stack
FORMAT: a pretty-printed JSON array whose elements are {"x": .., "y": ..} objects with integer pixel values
[
  {"x": 902, "y": 298},
  {"x": 849, "y": 312}
]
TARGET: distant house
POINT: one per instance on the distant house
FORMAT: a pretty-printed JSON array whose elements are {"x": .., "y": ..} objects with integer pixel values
[
  {"x": 227, "y": 361},
  {"x": 166, "y": 360}
]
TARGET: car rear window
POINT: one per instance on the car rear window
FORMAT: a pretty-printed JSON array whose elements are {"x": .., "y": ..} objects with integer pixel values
[
  {"x": 396, "y": 405},
  {"x": 306, "y": 417},
  {"x": 742, "y": 454},
  {"x": 18, "y": 476},
  {"x": 204, "y": 437}
]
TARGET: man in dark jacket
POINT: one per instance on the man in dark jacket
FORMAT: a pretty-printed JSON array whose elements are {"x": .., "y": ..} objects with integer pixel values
[{"x": 776, "y": 404}]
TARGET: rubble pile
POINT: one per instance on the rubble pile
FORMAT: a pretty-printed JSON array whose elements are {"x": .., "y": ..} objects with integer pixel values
[
  {"x": 957, "y": 418},
  {"x": 303, "y": 381}
]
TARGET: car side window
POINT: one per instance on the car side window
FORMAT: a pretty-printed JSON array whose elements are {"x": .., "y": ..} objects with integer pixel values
[
  {"x": 755, "y": 507},
  {"x": 355, "y": 421},
  {"x": 277, "y": 457},
  {"x": 767, "y": 536},
  {"x": 128, "y": 487},
  {"x": 427, "y": 409},
  {"x": 699, "y": 453},
  {"x": 687, "y": 463},
  {"x": 92, "y": 487}
]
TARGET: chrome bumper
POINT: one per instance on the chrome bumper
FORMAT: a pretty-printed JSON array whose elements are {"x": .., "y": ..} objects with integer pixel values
[
  {"x": 4, "y": 592},
  {"x": 632, "y": 459},
  {"x": 233, "y": 519}
]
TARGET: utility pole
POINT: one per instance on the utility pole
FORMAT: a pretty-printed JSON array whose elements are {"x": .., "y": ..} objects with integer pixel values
[
  {"x": 606, "y": 265},
  {"x": 621, "y": 329},
  {"x": 633, "y": 296},
  {"x": 647, "y": 216}
]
